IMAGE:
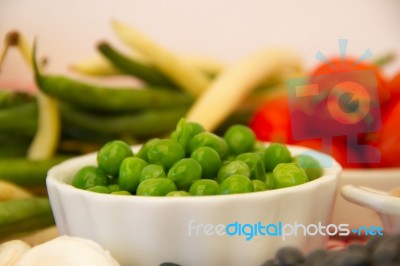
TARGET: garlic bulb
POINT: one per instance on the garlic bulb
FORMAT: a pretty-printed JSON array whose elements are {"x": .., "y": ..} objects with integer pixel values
[
  {"x": 11, "y": 251},
  {"x": 67, "y": 251}
]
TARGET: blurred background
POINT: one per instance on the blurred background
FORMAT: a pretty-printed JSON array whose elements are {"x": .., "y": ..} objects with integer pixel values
[{"x": 67, "y": 31}]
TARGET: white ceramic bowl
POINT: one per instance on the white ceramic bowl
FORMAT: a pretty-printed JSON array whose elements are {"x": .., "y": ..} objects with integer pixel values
[
  {"x": 151, "y": 230},
  {"x": 346, "y": 212}
]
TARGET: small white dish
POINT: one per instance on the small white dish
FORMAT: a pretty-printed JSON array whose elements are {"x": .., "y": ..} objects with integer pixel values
[
  {"x": 355, "y": 215},
  {"x": 386, "y": 204}
]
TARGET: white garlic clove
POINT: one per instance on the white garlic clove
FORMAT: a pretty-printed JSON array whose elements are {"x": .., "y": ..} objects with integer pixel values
[
  {"x": 11, "y": 251},
  {"x": 68, "y": 251}
]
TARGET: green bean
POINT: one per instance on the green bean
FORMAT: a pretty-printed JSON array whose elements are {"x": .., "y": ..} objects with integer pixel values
[
  {"x": 146, "y": 73},
  {"x": 18, "y": 216},
  {"x": 26, "y": 172},
  {"x": 10, "y": 98},
  {"x": 70, "y": 132},
  {"x": 13, "y": 146},
  {"x": 19, "y": 120},
  {"x": 143, "y": 124},
  {"x": 107, "y": 99}
]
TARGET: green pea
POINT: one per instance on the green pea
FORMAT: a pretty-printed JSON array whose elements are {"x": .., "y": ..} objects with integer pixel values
[
  {"x": 289, "y": 174},
  {"x": 111, "y": 155},
  {"x": 208, "y": 139},
  {"x": 269, "y": 180},
  {"x": 228, "y": 161},
  {"x": 152, "y": 171},
  {"x": 185, "y": 131},
  {"x": 236, "y": 184},
  {"x": 89, "y": 176},
  {"x": 310, "y": 165},
  {"x": 142, "y": 153},
  {"x": 100, "y": 189},
  {"x": 165, "y": 152},
  {"x": 240, "y": 139},
  {"x": 256, "y": 164},
  {"x": 121, "y": 192},
  {"x": 275, "y": 154},
  {"x": 179, "y": 193},
  {"x": 259, "y": 185},
  {"x": 114, "y": 187},
  {"x": 129, "y": 173},
  {"x": 204, "y": 187},
  {"x": 259, "y": 146},
  {"x": 209, "y": 160},
  {"x": 156, "y": 187},
  {"x": 184, "y": 172},
  {"x": 233, "y": 168}
]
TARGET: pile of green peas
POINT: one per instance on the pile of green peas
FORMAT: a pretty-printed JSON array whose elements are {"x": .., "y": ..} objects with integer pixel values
[{"x": 194, "y": 162}]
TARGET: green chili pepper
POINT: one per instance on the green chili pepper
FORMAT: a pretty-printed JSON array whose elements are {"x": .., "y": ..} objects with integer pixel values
[
  {"x": 19, "y": 120},
  {"x": 13, "y": 146},
  {"x": 107, "y": 99},
  {"x": 143, "y": 124},
  {"x": 12, "y": 98},
  {"x": 146, "y": 73},
  {"x": 27, "y": 172},
  {"x": 22, "y": 215}
]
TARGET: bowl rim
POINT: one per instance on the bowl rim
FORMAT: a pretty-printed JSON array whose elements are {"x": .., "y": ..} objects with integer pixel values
[
  {"x": 54, "y": 181},
  {"x": 368, "y": 173}
]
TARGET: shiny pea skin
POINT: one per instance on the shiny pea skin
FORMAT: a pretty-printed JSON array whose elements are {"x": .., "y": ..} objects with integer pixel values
[
  {"x": 259, "y": 185},
  {"x": 240, "y": 139},
  {"x": 236, "y": 184},
  {"x": 100, "y": 189},
  {"x": 233, "y": 168},
  {"x": 184, "y": 172},
  {"x": 256, "y": 164},
  {"x": 152, "y": 171},
  {"x": 259, "y": 147},
  {"x": 121, "y": 192},
  {"x": 142, "y": 153},
  {"x": 204, "y": 187},
  {"x": 129, "y": 173},
  {"x": 165, "y": 152},
  {"x": 288, "y": 175},
  {"x": 89, "y": 176},
  {"x": 269, "y": 180},
  {"x": 156, "y": 187},
  {"x": 208, "y": 139},
  {"x": 185, "y": 131},
  {"x": 310, "y": 165},
  {"x": 179, "y": 193},
  {"x": 111, "y": 155},
  {"x": 114, "y": 187},
  {"x": 275, "y": 154},
  {"x": 209, "y": 160}
]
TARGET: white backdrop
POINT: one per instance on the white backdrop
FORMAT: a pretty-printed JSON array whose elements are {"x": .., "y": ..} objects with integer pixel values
[{"x": 67, "y": 31}]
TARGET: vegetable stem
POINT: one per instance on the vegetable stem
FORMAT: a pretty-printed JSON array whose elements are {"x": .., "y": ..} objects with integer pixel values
[{"x": 188, "y": 77}]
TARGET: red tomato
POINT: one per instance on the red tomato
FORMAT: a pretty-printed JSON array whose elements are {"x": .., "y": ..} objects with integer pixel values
[
  {"x": 348, "y": 65},
  {"x": 387, "y": 140},
  {"x": 272, "y": 121},
  {"x": 394, "y": 89}
]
